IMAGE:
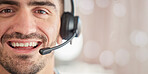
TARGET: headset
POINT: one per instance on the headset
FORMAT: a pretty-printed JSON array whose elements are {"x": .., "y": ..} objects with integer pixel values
[{"x": 69, "y": 29}]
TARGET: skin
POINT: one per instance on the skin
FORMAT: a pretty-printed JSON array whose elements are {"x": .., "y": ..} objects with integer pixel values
[{"x": 25, "y": 18}]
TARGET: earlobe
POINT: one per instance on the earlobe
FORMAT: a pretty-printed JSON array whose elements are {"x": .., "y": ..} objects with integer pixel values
[{"x": 59, "y": 39}]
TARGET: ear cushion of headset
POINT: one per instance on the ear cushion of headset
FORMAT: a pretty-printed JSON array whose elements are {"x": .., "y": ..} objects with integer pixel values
[{"x": 67, "y": 25}]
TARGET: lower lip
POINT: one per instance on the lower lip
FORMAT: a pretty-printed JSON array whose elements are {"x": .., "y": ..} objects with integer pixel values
[{"x": 23, "y": 49}]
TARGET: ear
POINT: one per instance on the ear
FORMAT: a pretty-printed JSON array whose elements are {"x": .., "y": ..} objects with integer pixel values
[{"x": 59, "y": 39}]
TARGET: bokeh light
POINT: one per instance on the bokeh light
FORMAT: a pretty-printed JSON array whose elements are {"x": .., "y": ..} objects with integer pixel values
[
  {"x": 103, "y": 3},
  {"x": 91, "y": 49},
  {"x": 106, "y": 58},
  {"x": 70, "y": 52},
  {"x": 139, "y": 38},
  {"x": 83, "y": 68},
  {"x": 126, "y": 51},
  {"x": 119, "y": 9},
  {"x": 122, "y": 57},
  {"x": 142, "y": 55},
  {"x": 86, "y": 6}
]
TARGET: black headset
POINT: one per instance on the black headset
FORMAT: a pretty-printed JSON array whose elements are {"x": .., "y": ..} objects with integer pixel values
[
  {"x": 69, "y": 29},
  {"x": 69, "y": 23}
]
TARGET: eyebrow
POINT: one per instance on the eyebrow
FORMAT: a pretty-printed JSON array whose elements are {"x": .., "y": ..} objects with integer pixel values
[
  {"x": 31, "y": 3},
  {"x": 9, "y": 2},
  {"x": 41, "y": 3}
]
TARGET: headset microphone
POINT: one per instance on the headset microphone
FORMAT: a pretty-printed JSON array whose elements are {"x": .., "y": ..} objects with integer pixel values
[
  {"x": 47, "y": 50},
  {"x": 69, "y": 29}
]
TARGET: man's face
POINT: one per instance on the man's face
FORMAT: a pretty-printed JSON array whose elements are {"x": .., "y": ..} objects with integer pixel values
[{"x": 26, "y": 26}]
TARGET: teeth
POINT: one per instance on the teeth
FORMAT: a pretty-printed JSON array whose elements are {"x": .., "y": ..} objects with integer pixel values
[
  {"x": 21, "y": 45},
  {"x": 26, "y": 44},
  {"x": 17, "y": 44},
  {"x": 30, "y": 44},
  {"x": 34, "y": 44},
  {"x": 13, "y": 44}
]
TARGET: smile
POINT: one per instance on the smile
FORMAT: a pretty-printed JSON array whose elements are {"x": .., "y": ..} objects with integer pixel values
[{"x": 24, "y": 45}]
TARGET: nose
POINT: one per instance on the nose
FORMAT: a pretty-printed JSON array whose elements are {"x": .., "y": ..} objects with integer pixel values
[{"x": 24, "y": 22}]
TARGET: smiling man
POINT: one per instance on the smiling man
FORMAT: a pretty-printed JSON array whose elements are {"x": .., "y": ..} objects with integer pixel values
[{"x": 26, "y": 26}]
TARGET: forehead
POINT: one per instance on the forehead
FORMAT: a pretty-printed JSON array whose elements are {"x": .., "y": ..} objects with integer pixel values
[
  {"x": 25, "y": 1},
  {"x": 31, "y": 2}
]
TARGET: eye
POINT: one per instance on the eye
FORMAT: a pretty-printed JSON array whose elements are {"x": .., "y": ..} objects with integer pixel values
[
  {"x": 41, "y": 12},
  {"x": 7, "y": 12}
]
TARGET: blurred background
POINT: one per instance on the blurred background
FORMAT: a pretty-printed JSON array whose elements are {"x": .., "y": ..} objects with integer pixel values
[{"x": 114, "y": 39}]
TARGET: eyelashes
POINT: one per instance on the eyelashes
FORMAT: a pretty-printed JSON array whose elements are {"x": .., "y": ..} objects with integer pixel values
[
  {"x": 38, "y": 12},
  {"x": 41, "y": 12},
  {"x": 7, "y": 12},
  {"x": 4, "y": 11}
]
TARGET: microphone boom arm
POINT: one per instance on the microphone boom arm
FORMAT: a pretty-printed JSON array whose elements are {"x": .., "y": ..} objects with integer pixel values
[{"x": 47, "y": 50}]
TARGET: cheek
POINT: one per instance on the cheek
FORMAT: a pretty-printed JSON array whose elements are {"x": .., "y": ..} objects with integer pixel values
[
  {"x": 4, "y": 26},
  {"x": 50, "y": 29}
]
